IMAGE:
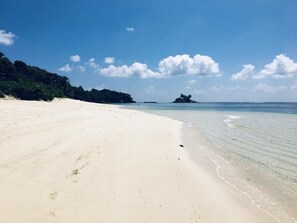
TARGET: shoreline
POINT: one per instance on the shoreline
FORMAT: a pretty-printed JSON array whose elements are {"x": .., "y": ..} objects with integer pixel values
[
  {"x": 251, "y": 185},
  {"x": 227, "y": 172},
  {"x": 72, "y": 161},
  {"x": 211, "y": 165}
]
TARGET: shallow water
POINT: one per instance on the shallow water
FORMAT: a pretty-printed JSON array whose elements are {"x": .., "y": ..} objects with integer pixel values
[{"x": 254, "y": 148}]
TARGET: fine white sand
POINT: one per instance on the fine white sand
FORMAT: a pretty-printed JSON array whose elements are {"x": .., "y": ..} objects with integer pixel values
[{"x": 71, "y": 161}]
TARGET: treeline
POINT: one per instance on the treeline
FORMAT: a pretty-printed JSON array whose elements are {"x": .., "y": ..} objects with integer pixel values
[{"x": 32, "y": 83}]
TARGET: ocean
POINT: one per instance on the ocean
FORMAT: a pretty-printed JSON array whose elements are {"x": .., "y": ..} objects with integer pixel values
[{"x": 253, "y": 147}]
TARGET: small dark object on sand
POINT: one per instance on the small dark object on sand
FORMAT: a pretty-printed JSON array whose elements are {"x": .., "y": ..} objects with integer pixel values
[
  {"x": 181, "y": 145},
  {"x": 75, "y": 172}
]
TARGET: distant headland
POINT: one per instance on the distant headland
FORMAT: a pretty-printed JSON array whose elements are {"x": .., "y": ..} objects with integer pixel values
[{"x": 32, "y": 83}]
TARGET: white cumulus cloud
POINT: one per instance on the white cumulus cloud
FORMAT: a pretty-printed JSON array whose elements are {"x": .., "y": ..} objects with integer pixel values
[
  {"x": 65, "y": 68},
  {"x": 130, "y": 29},
  {"x": 92, "y": 63},
  {"x": 109, "y": 60},
  {"x": 245, "y": 73},
  {"x": 168, "y": 67},
  {"x": 127, "y": 71},
  {"x": 113, "y": 71},
  {"x": 75, "y": 58},
  {"x": 82, "y": 68},
  {"x": 281, "y": 67},
  {"x": 143, "y": 71},
  {"x": 6, "y": 38},
  {"x": 184, "y": 64}
]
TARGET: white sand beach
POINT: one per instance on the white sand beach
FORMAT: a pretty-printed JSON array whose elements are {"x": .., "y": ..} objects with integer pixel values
[{"x": 72, "y": 161}]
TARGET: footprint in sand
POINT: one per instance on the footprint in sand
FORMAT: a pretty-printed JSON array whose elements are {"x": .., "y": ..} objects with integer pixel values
[
  {"x": 51, "y": 213},
  {"x": 83, "y": 156},
  {"x": 53, "y": 195},
  {"x": 79, "y": 158},
  {"x": 82, "y": 162},
  {"x": 75, "y": 172}
]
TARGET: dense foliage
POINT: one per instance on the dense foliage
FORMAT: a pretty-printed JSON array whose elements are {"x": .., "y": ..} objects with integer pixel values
[
  {"x": 184, "y": 99},
  {"x": 32, "y": 83}
]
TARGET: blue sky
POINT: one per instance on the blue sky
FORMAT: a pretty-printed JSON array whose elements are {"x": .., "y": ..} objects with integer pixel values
[{"x": 224, "y": 50}]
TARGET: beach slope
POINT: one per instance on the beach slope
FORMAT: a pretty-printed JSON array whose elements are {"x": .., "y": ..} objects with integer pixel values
[{"x": 71, "y": 161}]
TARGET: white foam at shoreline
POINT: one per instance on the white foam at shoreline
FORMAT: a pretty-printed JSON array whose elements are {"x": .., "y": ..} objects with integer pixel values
[
  {"x": 228, "y": 122},
  {"x": 234, "y": 116}
]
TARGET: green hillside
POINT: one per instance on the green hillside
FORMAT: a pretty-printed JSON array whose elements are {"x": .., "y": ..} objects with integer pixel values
[{"x": 32, "y": 83}]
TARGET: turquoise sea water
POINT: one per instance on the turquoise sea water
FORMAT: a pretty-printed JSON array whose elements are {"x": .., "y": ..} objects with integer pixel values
[{"x": 253, "y": 147}]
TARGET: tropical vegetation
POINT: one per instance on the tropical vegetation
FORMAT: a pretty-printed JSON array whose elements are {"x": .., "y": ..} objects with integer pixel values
[{"x": 32, "y": 83}]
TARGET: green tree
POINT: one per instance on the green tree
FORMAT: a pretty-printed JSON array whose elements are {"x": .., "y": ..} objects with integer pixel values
[{"x": 32, "y": 83}]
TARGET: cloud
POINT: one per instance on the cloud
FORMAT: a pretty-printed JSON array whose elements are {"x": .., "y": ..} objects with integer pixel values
[
  {"x": 82, "y": 68},
  {"x": 143, "y": 71},
  {"x": 92, "y": 63},
  {"x": 66, "y": 68},
  {"x": 6, "y": 38},
  {"x": 138, "y": 69},
  {"x": 109, "y": 60},
  {"x": 130, "y": 29},
  {"x": 75, "y": 58},
  {"x": 281, "y": 67},
  {"x": 113, "y": 71},
  {"x": 168, "y": 67},
  {"x": 191, "y": 82},
  {"x": 245, "y": 73},
  {"x": 269, "y": 88},
  {"x": 183, "y": 64}
]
